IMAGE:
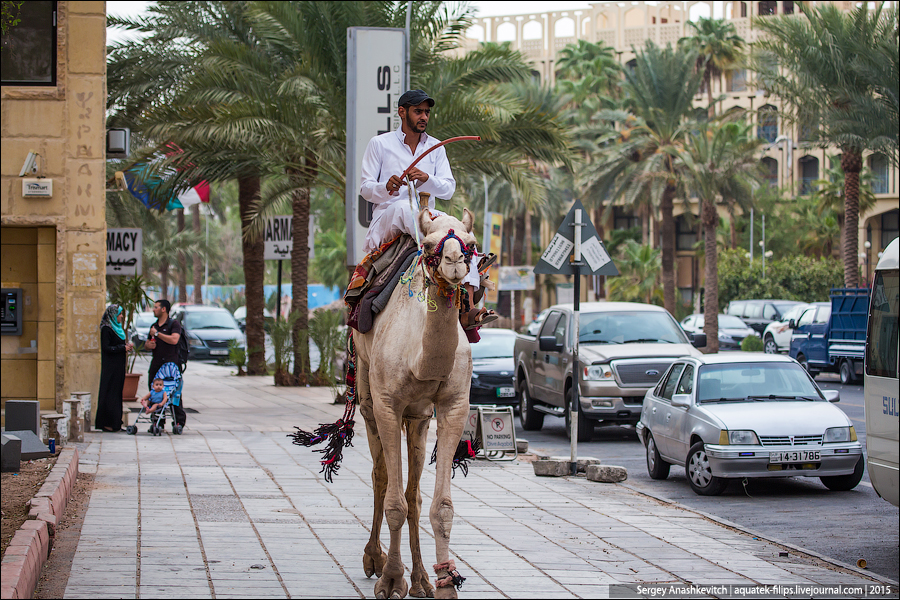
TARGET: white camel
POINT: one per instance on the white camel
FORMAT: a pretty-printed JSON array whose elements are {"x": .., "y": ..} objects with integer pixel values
[{"x": 415, "y": 362}]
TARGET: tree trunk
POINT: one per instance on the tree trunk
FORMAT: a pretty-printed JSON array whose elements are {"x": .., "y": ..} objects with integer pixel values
[
  {"x": 667, "y": 227},
  {"x": 182, "y": 261},
  {"x": 644, "y": 212},
  {"x": 198, "y": 263},
  {"x": 707, "y": 76},
  {"x": 254, "y": 272},
  {"x": 164, "y": 278},
  {"x": 851, "y": 163},
  {"x": 710, "y": 219},
  {"x": 300, "y": 277}
]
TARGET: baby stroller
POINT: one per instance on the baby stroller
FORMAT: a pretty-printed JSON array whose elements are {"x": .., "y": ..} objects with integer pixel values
[{"x": 172, "y": 384}]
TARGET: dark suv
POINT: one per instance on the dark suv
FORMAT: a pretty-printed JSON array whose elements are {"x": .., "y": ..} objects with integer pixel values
[
  {"x": 759, "y": 313},
  {"x": 209, "y": 329}
]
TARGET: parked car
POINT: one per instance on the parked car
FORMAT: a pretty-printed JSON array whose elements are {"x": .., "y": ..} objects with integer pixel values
[
  {"x": 140, "y": 327},
  {"x": 777, "y": 334},
  {"x": 831, "y": 336},
  {"x": 535, "y": 326},
  {"x": 623, "y": 349},
  {"x": 759, "y": 313},
  {"x": 493, "y": 368},
  {"x": 731, "y": 416},
  {"x": 210, "y": 329},
  {"x": 732, "y": 330},
  {"x": 240, "y": 315}
]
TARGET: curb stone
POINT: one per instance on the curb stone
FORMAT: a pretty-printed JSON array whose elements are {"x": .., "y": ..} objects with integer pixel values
[{"x": 30, "y": 546}]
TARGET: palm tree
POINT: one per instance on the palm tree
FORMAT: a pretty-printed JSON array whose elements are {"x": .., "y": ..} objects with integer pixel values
[
  {"x": 639, "y": 267},
  {"x": 147, "y": 76},
  {"x": 720, "y": 163},
  {"x": 636, "y": 163},
  {"x": 720, "y": 50},
  {"x": 808, "y": 63}
]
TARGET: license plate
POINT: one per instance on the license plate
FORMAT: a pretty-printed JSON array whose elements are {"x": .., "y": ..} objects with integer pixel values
[
  {"x": 218, "y": 352},
  {"x": 506, "y": 392},
  {"x": 794, "y": 456}
]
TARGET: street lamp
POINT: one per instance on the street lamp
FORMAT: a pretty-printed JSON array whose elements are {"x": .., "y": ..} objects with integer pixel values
[{"x": 865, "y": 256}]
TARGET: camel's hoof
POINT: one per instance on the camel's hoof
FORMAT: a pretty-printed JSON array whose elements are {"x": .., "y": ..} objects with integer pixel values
[
  {"x": 421, "y": 588},
  {"x": 391, "y": 588},
  {"x": 373, "y": 566}
]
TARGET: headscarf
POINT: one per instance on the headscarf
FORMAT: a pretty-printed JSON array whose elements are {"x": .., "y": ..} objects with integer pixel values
[{"x": 111, "y": 319}]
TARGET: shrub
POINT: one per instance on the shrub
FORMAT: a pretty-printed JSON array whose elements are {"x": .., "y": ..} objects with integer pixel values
[
  {"x": 237, "y": 356},
  {"x": 751, "y": 343}
]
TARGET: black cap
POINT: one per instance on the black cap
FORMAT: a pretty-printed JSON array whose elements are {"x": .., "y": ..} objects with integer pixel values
[{"x": 415, "y": 98}]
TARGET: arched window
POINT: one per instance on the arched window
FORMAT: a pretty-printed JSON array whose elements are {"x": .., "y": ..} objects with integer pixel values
[
  {"x": 770, "y": 171},
  {"x": 737, "y": 80},
  {"x": 506, "y": 32},
  {"x": 878, "y": 163},
  {"x": 631, "y": 65},
  {"x": 565, "y": 27},
  {"x": 532, "y": 31},
  {"x": 809, "y": 173},
  {"x": 585, "y": 27},
  {"x": 767, "y": 128},
  {"x": 475, "y": 32}
]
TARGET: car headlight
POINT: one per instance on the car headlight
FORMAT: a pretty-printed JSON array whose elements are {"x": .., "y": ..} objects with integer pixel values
[
  {"x": 839, "y": 434},
  {"x": 738, "y": 437},
  {"x": 196, "y": 342},
  {"x": 598, "y": 373}
]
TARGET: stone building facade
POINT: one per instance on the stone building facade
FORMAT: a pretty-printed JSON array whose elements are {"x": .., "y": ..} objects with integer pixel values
[
  {"x": 54, "y": 249},
  {"x": 791, "y": 161}
]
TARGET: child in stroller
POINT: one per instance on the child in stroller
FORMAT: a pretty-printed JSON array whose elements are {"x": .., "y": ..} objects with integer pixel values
[{"x": 162, "y": 401}]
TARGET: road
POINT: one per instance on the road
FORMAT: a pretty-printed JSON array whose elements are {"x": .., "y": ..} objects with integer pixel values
[{"x": 846, "y": 526}]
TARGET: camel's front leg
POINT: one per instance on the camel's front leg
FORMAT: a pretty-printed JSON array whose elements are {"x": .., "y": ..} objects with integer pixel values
[
  {"x": 392, "y": 584},
  {"x": 373, "y": 556},
  {"x": 416, "y": 440},
  {"x": 450, "y": 422}
]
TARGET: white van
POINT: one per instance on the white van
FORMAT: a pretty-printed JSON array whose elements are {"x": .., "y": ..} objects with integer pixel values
[{"x": 881, "y": 377}]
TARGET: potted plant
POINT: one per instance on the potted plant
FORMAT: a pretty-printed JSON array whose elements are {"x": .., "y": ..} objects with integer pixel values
[{"x": 130, "y": 295}]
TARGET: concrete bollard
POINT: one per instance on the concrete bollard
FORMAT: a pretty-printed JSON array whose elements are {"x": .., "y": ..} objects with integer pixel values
[
  {"x": 551, "y": 468},
  {"x": 11, "y": 453},
  {"x": 73, "y": 408},
  {"x": 606, "y": 473},
  {"x": 582, "y": 462},
  {"x": 85, "y": 397}
]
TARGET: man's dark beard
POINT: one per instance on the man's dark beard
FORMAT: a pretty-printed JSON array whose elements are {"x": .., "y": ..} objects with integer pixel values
[{"x": 410, "y": 122}]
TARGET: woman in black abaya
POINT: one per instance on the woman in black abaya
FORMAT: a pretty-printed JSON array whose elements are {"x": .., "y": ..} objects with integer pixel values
[{"x": 113, "y": 349}]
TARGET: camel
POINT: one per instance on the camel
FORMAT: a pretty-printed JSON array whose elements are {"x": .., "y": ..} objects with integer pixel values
[{"x": 415, "y": 362}]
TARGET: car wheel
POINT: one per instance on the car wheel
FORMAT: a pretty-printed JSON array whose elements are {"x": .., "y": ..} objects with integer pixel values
[
  {"x": 770, "y": 346},
  {"x": 585, "y": 425},
  {"x": 531, "y": 419},
  {"x": 848, "y": 375},
  {"x": 801, "y": 358},
  {"x": 700, "y": 475},
  {"x": 656, "y": 466},
  {"x": 844, "y": 483}
]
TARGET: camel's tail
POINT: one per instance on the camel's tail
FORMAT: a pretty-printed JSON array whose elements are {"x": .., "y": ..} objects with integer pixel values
[
  {"x": 339, "y": 433},
  {"x": 465, "y": 451}
]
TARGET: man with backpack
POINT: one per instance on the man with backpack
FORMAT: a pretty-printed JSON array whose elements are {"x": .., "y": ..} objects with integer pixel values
[{"x": 163, "y": 340}]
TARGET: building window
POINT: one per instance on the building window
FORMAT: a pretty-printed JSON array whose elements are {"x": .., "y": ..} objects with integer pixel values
[
  {"x": 623, "y": 220},
  {"x": 787, "y": 7},
  {"x": 737, "y": 80},
  {"x": 29, "y": 48},
  {"x": 879, "y": 165},
  {"x": 809, "y": 173},
  {"x": 807, "y": 128},
  {"x": 890, "y": 227},
  {"x": 767, "y": 129},
  {"x": 767, "y": 8},
  {"x": 770, "y": 171},
  {"x": 685, "y": 234}
]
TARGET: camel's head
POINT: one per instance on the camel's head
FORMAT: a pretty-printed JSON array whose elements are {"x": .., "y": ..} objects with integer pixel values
[{"x": 448, "y": 245}]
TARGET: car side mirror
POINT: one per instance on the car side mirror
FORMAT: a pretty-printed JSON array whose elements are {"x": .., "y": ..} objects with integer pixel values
[
  {"x": 792, "y": 324},
  {"x": 832, "y": 395},
  {"x": 682, "y": 400},
  {"x": 548, "y": 344},
  {"x": 698, "y": 340}
]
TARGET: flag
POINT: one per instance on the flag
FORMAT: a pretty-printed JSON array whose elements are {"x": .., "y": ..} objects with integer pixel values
[{"x": 195, "y": 195}]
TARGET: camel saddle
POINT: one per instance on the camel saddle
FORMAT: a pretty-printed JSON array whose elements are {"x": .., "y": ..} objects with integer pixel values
[{"x": 374, "y": 281}]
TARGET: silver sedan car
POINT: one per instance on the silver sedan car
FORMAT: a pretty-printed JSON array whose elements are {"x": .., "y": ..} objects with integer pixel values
[{"x": 729, "y": 416}]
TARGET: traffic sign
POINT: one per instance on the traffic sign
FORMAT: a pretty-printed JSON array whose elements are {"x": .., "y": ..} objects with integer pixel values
[{"x": 595, "y": 258}]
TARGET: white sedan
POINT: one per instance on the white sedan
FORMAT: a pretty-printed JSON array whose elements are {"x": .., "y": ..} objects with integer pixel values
[
  {"x": 730, "y": 416},
  {"x": 777, "y": 335}
]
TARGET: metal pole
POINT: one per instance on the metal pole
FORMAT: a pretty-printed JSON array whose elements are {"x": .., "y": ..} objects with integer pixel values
[
  {"x": 764, "y": 245},
  {"x": 278, "y": 296},
  {"x": 408, "y": 19},
  {"x": 751, "y": 236},
  {"x": 573, "y": 410},
  {"x": 486, "y": 237},
  {"x": 206, "y": 258}
]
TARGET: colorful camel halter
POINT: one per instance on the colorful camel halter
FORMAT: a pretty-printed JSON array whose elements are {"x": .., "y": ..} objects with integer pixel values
[{"x": 434, "y": 259}]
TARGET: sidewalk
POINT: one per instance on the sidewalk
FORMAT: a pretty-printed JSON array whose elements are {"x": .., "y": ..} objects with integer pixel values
[{"x": 231, "y": 509}]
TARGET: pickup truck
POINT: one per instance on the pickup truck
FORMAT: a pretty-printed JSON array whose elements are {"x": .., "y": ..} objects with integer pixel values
[
  {"x": 832, "y": 336},
  {"x": 624, "y": 348}
]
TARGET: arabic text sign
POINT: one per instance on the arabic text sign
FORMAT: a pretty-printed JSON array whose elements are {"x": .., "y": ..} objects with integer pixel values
[
  {"x": 278, "y": 238},
  {"x": 558, "y": 251},
  {"x": 123, "y": 251}
]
